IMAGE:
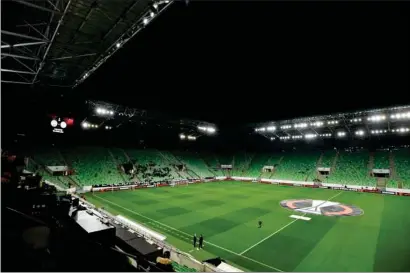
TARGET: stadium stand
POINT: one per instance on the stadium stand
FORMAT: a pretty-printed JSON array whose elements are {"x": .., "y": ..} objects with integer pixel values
[
  {"x": 48, "y": 157},
  {"x": 212, "y": 162},
  {"x": 152, "y": 166},
  {"x": 241, "y": 162},
  {"x": 352, "y": 168},
  {"x": 381, "y": 160},
  {"x": 297, "y": 166},
  {"x": 181, "y": 268},
  {"x": 118, "y": 155},
  {"x": 327, "y": 159},
  {"x": 257, "y": 163},
  {"x": 194, "y": 164},
  {"x": 273, "y": 160},
  {"x": 402, "y": 163},
  {"x": 94, "y": 166}
]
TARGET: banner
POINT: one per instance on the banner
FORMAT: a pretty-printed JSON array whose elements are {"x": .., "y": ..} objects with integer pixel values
[{"x": 388, "y": 192}]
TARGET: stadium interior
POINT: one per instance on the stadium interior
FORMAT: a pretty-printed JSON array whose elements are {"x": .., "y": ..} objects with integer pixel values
[{"x": 102, "y": 183}]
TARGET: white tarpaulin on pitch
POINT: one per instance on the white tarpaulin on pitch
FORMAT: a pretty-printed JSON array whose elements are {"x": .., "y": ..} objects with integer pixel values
[{"x": 224, "y": 267}]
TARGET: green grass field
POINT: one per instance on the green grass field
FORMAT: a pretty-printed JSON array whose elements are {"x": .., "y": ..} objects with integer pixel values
[{"x": 226, "y": 213}]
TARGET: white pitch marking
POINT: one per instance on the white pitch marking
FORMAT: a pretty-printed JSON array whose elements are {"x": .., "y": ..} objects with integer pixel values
[
  {"x": 227, "y": 250},
  {"x": 282, "y": 228}
]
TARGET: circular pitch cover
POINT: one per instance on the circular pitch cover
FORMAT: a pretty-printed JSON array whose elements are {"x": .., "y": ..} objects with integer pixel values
[{"x": 321, "y": 207}]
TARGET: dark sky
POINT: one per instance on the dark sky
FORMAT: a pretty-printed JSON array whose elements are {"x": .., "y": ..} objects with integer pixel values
[{"x": 246, "y": 62}]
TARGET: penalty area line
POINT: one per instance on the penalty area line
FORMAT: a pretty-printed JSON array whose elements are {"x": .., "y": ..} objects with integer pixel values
[{"x": 159, "y": 223}]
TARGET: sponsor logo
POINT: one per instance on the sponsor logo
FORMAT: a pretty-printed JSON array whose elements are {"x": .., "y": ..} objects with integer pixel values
[
  {"x": 321, "y": 207},
  {"x": 389, "y": 192}
]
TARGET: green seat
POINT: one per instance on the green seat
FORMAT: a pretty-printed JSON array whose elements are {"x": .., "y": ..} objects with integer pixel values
[
  {"x": 352, "y": 169},
  {"x": 402, "y": 164},
  {"x": 297, "y": 166}
]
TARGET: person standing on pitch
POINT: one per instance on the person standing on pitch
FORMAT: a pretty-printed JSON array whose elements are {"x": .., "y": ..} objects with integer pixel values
[
  {"x": 194, "y": 240},
  {"x": 201, "y": 241},
  {"x": 260, "y": 223}
]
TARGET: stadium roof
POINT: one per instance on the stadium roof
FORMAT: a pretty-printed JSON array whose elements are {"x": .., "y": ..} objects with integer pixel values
[
  {"x": 392, "y": 120},
  {"x": 61, "y": 42},
  {"x": 111, "y": 115}
]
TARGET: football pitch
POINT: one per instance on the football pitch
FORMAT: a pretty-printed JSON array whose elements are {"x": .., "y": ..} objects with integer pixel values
[{"x": 227, "y": 214}]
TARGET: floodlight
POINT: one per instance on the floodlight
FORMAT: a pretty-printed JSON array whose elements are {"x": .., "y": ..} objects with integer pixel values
[
  {"x": 111, "y": 112},
  {"x": 211, "y": 130},
  {"x": 182, "y": 136},
  {"x": 54, "y": 123},
  {"x": 85, "y": 124},
  {"x": 360, "y": 133},
  {"x": 155, "y": 5},
  {"x": 63, "y": 124},
  {"x": 271, "y": 128},
  {"x": 152, "y": 14},
  {"x": 309, "y": 136},
  {"x": 145, "y": 21},
  {"x": 118, "y": 45}
]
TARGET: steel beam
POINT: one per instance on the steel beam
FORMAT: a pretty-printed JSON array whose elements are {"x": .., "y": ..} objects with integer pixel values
[
  {"x": 21, "y": 35},
  {"x": 23, "y": 64},
  {"x": 51, "y": 41},
  {"x": 17, "y": 71},
  {"x": 36, "y": 6},
  {"x": 53, "y": 5},
  {"x": 125, "y": 37},
  {"x": 121, "y": 18},
  {"x": 15, "y": 82},
  {"x": 36, "y": 24},
  {"x": 20, "y": 56},
  {"x": 23, "y": 44},
  {"x": 36, "y": 30},
  {"x": 72, "y": 57}
]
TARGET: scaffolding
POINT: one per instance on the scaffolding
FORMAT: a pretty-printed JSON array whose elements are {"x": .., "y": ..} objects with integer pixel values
[{"x": 62, "y": 42}]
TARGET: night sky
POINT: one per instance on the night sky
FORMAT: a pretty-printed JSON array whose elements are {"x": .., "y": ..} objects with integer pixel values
[{"x": 243, "y": 62}]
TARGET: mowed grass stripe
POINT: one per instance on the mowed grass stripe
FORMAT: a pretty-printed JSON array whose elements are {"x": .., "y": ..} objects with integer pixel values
[
  {"x": 344, "y": 244},
  {"x": 285, "y": 226},
  {"x": 393, "y": 243},
  {"x": 189, "y": 235}
]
